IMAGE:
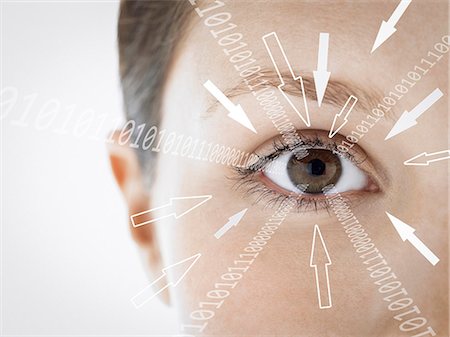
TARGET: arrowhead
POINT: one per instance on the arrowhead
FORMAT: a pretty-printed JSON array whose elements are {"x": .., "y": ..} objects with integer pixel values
[
  {"x": 404, "y": 230},
  {"x": 321, "y": 79},
  {"x": 419, "y": 160},
  {"x": 239, "y": 115},
  {"x": 338, "y": 124},
  {"x": 385, "y": 32},
  {"x": 179, "y": 270},
  {"x": 319, "y": 252},
  {"x": 298, "y": 103},
  {"x": 234, "y": 219},
  {"x": 404, "y": 123},
  {"x": 183, "y": 205}
]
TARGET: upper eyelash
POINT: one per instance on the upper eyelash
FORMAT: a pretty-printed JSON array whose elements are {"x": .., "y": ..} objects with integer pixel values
[
  {"x": 279, "y": 148},
  {"x": 244, "y": 178}
]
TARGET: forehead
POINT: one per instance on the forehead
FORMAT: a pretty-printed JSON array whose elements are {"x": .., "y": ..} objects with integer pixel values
[
  {"x": 352, "y": 22},
  {"x": 352, "y": 25}
]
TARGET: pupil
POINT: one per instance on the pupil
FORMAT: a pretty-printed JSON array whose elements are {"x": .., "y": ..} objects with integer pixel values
[{"x": 316, "y": 167}]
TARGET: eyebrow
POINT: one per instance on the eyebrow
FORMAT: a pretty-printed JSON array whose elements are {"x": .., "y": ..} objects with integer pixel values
[{"x": 336, "y": 94}]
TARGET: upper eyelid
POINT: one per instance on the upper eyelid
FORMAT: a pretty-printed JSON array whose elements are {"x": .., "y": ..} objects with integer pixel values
[
  {"x": 263, "y": 159},
  {"x": 357, "y": 155},
  {"x": 247, "y": 178}
]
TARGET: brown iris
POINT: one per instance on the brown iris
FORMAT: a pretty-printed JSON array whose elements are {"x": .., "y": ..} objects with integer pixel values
[{"x": 317, "y": 170}]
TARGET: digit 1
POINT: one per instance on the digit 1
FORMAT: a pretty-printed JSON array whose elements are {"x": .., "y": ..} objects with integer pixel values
[
  {"x": 230, "y": 26},
  {"x": 194, "y": 148},
  {"x": 136, "y": 141},
  {"x": 256, "y": 93},
  {"x": 243, "y": 261},
  {"x": 103, "y": 118},
  {"x": 428, "y": 62},
  {"x": 438, "y": 57},
  {"x": 156, "y": 148},
  {"x": 424, "y": 71},
  {"x": 62, "y": 130},
  {"x": 180, "y": 138},
  {"x": 384, "y": 107},
  {"x": 201, "y": 12},
  {"x": 230, "y": 269},
  {"x": 229, "y": 51},
  {"x": 395, "y": 95},
  {"x": 238, "y": 68},
  {"x": 373, "y": 118},
  {"x": 411, "y": 84},
  {"x": 207, "y": 153},
  {"x": 110, "y": 139}
]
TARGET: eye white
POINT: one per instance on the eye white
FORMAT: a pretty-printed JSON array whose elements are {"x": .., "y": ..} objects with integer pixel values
[{"x": 351, "y": 178}]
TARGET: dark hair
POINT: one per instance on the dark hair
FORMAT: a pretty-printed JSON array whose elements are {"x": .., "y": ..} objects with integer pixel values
[{"x": 148, "y": 33}]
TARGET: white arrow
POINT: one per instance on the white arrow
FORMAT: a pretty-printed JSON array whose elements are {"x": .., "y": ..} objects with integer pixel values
[
  {"x": 177, "y": 207},
  {"x": 341, "y": 118},
  {"x": 232, "y": 221},
  {"x": 321, "y": 75},
  {"x": 424, "y": 159},
  {"x": 234, "y": 111},
  {"x": 388, "y": 28},
  {"x": 177, "y": 270},
  {"x": 408, "y": 119},
  {"x": 277, "y": 60},
  {"x": 406, "y": 232},
  {"x": 320, "y": 260}
]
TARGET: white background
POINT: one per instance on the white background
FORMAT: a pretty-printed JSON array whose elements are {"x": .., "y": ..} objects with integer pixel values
[{"x": 69, "y": 265}]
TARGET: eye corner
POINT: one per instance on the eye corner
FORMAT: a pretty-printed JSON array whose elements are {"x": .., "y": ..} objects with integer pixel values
[{"x": 262, "y": 177}]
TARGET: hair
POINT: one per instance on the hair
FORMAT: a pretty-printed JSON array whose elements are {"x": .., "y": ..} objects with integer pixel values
[{"x": 148, "y": 35}]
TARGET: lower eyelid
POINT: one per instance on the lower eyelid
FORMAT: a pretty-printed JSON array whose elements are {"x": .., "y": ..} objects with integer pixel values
[
  {"x": 351, "y": 196},
  {"x": 271, "y": 185},
  {"x": 252, "y": 184}
]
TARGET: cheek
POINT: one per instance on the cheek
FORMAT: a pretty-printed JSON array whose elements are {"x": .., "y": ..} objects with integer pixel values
[{"x": 194, "y": 232}]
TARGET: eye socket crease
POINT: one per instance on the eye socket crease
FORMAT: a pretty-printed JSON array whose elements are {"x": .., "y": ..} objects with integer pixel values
[{"x": 336, "y": 95}]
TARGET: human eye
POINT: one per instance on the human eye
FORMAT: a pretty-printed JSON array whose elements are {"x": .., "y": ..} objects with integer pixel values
[{"x": 303, "y": 171}]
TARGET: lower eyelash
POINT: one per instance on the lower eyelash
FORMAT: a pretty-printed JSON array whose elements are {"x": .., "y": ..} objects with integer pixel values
[
  {"x": 273, "y": 199},
  {"x": 245, "y": 176}
]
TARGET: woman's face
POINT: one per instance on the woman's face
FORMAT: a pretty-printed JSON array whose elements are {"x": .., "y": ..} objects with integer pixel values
[{"x": 277, "y": 294}]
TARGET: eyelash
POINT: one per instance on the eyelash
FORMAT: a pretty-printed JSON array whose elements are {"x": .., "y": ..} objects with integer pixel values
[{"x": 245, "y": 176}]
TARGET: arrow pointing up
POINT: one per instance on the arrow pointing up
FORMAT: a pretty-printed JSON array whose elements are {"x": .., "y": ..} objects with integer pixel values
[
  {"x": 320, "y": 260},
  {"x": 232, "y": 222},
  {"x": 235, "y": 112},
  {"x": 177, "y": 272},
  {"x": 177, "y": 207},
  {"x": 408, "y": 119},
  {"x": 387, "y": 29},
  {"x": 321, "y": 75},
  {"x": 406, "y": 232}
]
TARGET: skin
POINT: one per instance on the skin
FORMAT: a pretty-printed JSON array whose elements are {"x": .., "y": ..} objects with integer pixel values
[{"x": 277, "y": 295}]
